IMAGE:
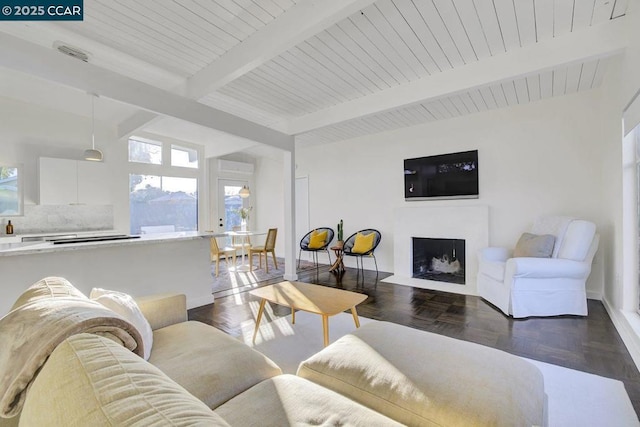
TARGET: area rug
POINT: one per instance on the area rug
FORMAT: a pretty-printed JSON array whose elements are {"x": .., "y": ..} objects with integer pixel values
[
  {"x": 240, "y": 281},
  {"x": 575, "y": 398}
]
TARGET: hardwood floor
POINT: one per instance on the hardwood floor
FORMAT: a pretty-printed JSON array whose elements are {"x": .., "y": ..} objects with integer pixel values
[{"x": 589, "y": 344}]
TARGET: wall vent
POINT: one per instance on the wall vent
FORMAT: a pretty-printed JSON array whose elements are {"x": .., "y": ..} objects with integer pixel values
[{"x": 74, "y": 52}]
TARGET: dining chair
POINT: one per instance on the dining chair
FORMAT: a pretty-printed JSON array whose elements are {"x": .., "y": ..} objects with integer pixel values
[
  {"x": 269, "y": 246},
  {"x": 216, "y": 252}
]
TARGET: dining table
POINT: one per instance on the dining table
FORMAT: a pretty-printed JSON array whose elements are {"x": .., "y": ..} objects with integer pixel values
[{"x": 245, "y": 236}]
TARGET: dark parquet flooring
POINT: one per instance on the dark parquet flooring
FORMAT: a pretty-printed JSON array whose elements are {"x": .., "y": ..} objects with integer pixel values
[{"x": 589, "y": 344}]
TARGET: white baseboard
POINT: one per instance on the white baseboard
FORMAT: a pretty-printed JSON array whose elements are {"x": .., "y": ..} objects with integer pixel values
[
  {"x": 430, "y": 284},
  {"x": 628, "y": 326},
  {"x": 594, "y": 295}
]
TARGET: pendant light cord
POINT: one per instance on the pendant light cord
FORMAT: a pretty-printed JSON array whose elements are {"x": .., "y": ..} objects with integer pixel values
[{"x": 93, "y": 119}]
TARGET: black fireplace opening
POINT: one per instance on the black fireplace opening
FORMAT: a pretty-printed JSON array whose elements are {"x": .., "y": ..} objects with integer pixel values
[{"x": 442, "y": 260}]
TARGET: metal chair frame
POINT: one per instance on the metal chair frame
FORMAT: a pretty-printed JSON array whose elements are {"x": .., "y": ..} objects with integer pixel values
[
  {"x": 348, "y": 246},
  {"x": 304, "y": 245}
]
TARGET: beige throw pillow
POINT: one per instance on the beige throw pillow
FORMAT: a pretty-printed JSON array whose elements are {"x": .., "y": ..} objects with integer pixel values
[
  {"x": 125, "y": 306},
  {"x": 534, "y": 246}
]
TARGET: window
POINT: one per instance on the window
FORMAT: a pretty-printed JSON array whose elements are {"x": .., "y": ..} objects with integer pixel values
[
  {"x": 163, "y": 187},
  {"x": 11, "y": 197},
  {"x": 145, "y": 152},
  {"x": 163, "y": 204},
  {"x": 184, "y": 157}
]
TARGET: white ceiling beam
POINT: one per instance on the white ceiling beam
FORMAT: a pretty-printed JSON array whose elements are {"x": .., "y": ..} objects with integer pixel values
[
  {"x": 144, "y": 119},
  {"x": 135, "y": 122},
  {"x": 44, "y": 33},
  {"x": 49, "y": 64},
  {"x": 599, "y": 41},
  {"x": 303, "y": 20},
  {"x": 244, "y": 110}
]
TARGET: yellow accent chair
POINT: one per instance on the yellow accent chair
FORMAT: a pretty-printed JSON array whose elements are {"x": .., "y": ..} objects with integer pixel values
[
  {"x": 363, "y": 244},
  {"x": 315, "y": 241}
]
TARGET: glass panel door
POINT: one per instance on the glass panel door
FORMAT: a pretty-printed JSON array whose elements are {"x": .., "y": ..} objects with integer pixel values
[{"x": 229, "y": 203}]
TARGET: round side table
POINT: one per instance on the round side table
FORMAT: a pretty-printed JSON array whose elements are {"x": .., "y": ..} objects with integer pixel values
[{"x": 338, "y": 265}]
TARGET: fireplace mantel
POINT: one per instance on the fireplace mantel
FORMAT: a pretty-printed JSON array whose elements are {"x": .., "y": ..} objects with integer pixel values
[{"x": 470, "y": 223}]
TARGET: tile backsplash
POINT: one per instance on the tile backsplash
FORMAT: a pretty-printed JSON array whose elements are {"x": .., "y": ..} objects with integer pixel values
[{"x": 62, "y": 218}]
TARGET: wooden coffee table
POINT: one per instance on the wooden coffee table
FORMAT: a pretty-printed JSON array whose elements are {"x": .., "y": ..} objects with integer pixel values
[{"x": 317, "y": 299}]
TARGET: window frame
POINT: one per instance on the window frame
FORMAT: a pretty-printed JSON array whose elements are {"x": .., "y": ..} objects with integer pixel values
[
  {"x": 145, "y": 141},
  {"x": 182, "y": 147},
  {"x": 635, "y": 133},
  {"x": 165, "y": 169},
  {"x": 20, "y": 186}
]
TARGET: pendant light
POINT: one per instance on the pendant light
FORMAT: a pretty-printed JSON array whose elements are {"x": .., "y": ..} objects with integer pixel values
[
  {"x": 244, "y": 192},
  {"x": 93, "y": 154}
]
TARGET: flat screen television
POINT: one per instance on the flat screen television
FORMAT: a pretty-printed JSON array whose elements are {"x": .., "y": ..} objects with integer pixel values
[{"x": 446, "y": 176}]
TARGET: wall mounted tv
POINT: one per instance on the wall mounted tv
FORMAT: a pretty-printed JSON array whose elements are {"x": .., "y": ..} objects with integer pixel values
[{"x": 446, "y": 176}]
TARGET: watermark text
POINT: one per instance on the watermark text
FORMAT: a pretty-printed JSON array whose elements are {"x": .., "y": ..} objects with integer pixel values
[{"x": 41, "y": 10}]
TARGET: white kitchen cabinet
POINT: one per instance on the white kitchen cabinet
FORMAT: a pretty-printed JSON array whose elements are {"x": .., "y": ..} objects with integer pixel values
[
  {"x": 58, "y": 181},
  {"x": 10, "y": 239},
  {"x": 65, "y": 181},
  {"x": 93, "y": 183}
]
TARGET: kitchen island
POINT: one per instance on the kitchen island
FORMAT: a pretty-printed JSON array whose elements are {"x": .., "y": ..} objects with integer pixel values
[{"x": 148, "y": 264}]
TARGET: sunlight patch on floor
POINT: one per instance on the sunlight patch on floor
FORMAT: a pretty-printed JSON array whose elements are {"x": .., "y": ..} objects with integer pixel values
[
  {"x": 271, "y": 326},
  {"x": 234, "y": 285},
  {"x": 246, "y": 281}
]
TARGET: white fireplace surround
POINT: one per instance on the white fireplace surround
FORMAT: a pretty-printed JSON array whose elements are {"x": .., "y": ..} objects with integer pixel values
[{"x": 470, "y": 223}]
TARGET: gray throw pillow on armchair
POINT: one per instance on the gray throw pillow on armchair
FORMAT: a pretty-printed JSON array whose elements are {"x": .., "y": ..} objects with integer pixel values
[{"x": 535, "y": 246}]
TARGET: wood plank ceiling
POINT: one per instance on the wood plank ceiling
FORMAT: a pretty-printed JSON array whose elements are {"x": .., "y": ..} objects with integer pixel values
[
  {"x": 182, "y": 36},
  {"x": 386, "y": 45},
  {"x": 557, "y": 82},
  {"x": 394, "y": 42}
]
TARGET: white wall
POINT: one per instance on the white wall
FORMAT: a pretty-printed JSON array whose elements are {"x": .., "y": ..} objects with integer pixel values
[
  {"x": 621, "y": 84},
  {"x": 541, "y": 158},
  {"x": 137, "y": 268},
  {"x": 269, "y": 198},
  {"x": 29, "y": 132},
  {"x": 266, "y": 185}
]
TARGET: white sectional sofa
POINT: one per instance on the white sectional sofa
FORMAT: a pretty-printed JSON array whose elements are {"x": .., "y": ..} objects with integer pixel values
[{"x": 196, "y": 375}]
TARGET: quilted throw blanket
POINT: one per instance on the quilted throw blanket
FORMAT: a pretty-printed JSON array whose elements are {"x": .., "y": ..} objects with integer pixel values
[{"x": 30, "y": 333}]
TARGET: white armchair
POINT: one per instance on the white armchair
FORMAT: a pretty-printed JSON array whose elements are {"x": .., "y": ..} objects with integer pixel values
[{"x": 527, "y": 286}]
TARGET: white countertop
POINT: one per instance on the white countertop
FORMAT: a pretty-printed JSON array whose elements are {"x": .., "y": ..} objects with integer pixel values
[
  {"x": 26, "y": 248},
  {"x": 17, "y": 238}
]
